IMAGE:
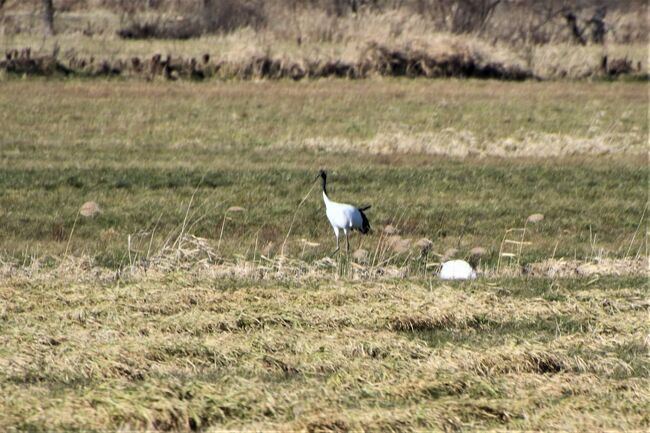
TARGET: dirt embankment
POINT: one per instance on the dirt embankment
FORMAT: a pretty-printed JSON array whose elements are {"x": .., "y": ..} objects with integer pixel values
[
  {"x": 451, "y": 58},
  {"x": 373, "y": 59}
]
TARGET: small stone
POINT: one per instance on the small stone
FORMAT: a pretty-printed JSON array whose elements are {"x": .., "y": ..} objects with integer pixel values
[
  {"x": 108, "y": 234},
  {"x": 535, "y": 218},
  {"x": 266, "y": 251},
  {"x": 451, "y": 252},
  {"x": 424, "y": 245},
  {"x": 398, "y": 244},
  {"x": 390, "y": 230},
  {"x": 360, "y": 255},
  {"x": 235, "y": 209},
  {"x": 89, "y": 209},
  {"x": 477, "y": 251}
]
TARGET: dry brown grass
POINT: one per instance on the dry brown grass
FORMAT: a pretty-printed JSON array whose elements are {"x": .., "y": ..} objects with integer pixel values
[
  {"x": 183, "y": 350},
  {"x": 395, "y": 257},
  {"x": 600, "y": 266},
  {"x": 315, "y": 44},
  {"x": 461, "y": 144},
  {"x": 441, "y": 56}
]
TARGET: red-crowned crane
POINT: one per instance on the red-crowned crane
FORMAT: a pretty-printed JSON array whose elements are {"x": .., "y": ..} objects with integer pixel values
[{"x": 343, "y": 216}]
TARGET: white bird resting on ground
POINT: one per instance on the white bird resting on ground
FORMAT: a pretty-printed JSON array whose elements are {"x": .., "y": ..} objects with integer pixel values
[
  {"x": 457, "y": 270},
  {"x": 343, "y": 216}
]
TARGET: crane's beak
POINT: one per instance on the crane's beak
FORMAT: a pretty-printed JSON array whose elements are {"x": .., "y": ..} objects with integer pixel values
[{"x": 317, "y": 176}]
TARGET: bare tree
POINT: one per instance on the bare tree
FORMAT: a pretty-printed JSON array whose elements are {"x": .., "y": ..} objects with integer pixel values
[
  {"x": 576, "y": 31},
  {"x": 48, "y": 16},
  {"x": 459, "y": 16},
  {"x": 228, "y": 15},
  {"x": 597, "y": 23}
]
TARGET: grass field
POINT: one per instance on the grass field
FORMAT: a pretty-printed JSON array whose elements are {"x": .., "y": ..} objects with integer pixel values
[
  {"x": 185, "y": 352},
  {"x": 572, "y": 151},
  {"x": 171, "y": 309}
]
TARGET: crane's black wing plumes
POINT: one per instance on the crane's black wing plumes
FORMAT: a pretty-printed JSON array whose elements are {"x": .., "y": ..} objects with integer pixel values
[{"x": 365, "y": 227}]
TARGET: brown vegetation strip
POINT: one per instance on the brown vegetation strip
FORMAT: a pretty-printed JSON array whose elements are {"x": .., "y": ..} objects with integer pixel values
[
  {"x": 375, "y": 59},
  {"x": 196, "y": 263}
]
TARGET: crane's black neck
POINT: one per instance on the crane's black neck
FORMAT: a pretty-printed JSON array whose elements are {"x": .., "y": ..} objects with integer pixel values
[{"x": 323, "y": 178}]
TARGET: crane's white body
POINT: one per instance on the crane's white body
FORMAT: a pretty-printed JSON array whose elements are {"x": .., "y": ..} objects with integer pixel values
[
  {"x": 457, "y": 270},
  {"x": 343, "y": 216}
]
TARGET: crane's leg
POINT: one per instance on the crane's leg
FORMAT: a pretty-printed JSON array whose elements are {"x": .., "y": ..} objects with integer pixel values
[
  {"x": 336, "y": 233},
  {"x": 347, "y": 238}
]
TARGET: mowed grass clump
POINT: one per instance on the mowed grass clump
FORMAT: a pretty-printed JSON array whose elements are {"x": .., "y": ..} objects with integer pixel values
[{"x": 181, "y": 352}]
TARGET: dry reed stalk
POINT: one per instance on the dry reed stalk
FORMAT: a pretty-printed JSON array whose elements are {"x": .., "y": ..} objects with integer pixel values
[
  {"x": 197, "y": 220},
  {"x": 152, "y": 234},
  {"x": 408, "y": 256},
  {"x": 128, "y": 246},
  {"x": 294, "y": 219},
  {"x": 257, "y": 234},
  {"x": 394, "y": 224},
  {"x": 65, "y": 254},
  {"x": 387, "y": 261},
  {"x": 521, "y": 244},
  {"x": 223, "y": 224},
  {"x": 636, "y": 231},
  {"x": 374, "y": 258},
  {"x": 641, "y": 245},
  {"x": 518, "y": 244},
  {"x": 555, "y": 249},
  {"x": 189, "y": 205}
]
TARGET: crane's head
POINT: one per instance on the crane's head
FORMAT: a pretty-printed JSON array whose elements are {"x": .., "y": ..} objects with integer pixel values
[{"x": 321, "y": 174}]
